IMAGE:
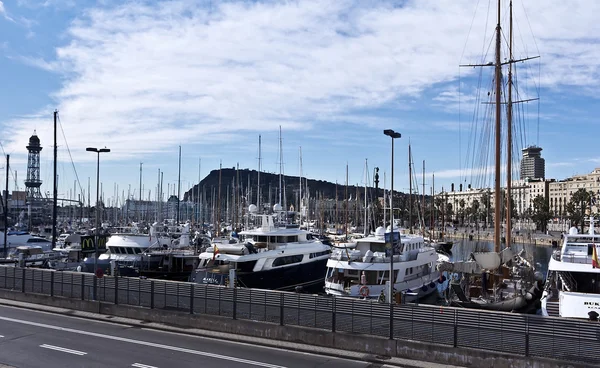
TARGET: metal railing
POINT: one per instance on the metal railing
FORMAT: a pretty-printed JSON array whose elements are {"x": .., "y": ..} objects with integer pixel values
[{"x": 525, "y": 335}]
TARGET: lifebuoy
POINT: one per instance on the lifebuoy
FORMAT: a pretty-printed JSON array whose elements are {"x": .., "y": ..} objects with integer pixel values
[{"x": 364, "y": 291}]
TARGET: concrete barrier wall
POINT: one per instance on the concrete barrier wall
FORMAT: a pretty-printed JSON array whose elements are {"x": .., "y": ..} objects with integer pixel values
[{"x": 370, "y": 345}]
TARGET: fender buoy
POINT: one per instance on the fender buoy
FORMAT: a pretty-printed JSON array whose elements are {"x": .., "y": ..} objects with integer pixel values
[{"x": 364, "y": 291}]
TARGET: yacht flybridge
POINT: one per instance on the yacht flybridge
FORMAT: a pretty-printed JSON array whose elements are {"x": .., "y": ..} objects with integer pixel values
[
  {"x": 277, "y": 256},
  {"x": 573, "y": 284},
  {"x": 362, "y": 269}
]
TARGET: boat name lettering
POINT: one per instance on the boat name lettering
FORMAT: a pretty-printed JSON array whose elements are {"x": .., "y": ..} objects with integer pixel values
[{"x": 591, "y": 304}]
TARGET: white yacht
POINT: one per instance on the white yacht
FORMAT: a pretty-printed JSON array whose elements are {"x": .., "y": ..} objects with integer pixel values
[
  {"x": 362, "y": 269},
  {"x": 137, "y": 250},
  {"x": 272, "y": 256},
  {"x": 23, "y": 238},
  {"x": 572, "y": 286}
]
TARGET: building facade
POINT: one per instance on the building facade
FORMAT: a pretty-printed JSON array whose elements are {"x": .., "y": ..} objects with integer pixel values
[{"x": 533, "y": 166}]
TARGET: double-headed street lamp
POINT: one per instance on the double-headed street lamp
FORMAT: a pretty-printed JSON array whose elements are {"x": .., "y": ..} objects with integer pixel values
[
  {"x": 392, "y": 134},
  {"x": 98, "y": 151}
]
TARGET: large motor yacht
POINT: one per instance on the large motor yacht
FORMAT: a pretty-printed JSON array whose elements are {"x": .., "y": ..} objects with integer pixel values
[
  {"x": 362, "y": 269},
  {"x": 157, "y": 251},
  {"x": 572, "y": 286},
  {"x": 276, "y": 256}
]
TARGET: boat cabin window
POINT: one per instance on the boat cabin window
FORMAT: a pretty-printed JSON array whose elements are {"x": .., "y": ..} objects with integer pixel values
[
  {"x": 246, "y": 266},
  {"x": 282, "y": 261},
  {"x": 377, "y": 247},
  {"x": 319, "y": 254}
]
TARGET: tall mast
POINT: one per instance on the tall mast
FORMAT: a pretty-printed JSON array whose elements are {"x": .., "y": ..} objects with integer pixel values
[
  {"x": 236, "y": 197},
  {"x": 259, "y": 168},
  {"x": 509, "y": 136},
  {"x": 198, "y": 195},
  {"x": 410, "y": 189},
  {"x": 423, "y": 199},
  {"x": 178, "y": 187},
  {"x": 218, "y": 217},
  {"x": 498, "y": 131},
  {"x": 366, "y": 229},
  {"x": 346, "y": 200},
  {"x": 336, "y": 207},
  {"x": 55, "y": 194},
  {"x": 139, "y": 206},
  {"x": 300, "y": 193},
  {"x": 431, "y": 225},
  {"x": 6, "y": 207},
  {"x": 280, "y": 167}
]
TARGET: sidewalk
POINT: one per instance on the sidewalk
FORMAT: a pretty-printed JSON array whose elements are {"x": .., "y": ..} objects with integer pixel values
[{"x": 376, "y": 360}]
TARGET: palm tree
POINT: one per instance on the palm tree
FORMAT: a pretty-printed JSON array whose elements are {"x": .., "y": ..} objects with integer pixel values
[{"x": 578, "y": 206}]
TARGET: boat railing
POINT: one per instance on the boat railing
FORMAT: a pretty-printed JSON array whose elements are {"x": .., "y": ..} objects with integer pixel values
[
  {"x": 376, "y": 257},
  {"x": 572, "y": 258}
]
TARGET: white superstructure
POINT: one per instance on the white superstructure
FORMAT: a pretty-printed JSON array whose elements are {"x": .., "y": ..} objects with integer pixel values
[
  {"x": 572, "y": 287},
  {"x": 362, "y": 269},
  {"x": 275, "y": 256}
]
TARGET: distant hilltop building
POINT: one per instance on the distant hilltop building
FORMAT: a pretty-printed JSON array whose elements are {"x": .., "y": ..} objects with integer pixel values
[{"x": 533, "y": 166}]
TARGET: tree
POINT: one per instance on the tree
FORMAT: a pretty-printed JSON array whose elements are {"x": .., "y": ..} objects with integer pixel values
[
  {"x": 541, "y": 213},
  {"x": 475, "y": 212},
  {"x": 486, "y": 200},
  {"x": 578, "y": 206},
  {"x": 462, "y": 212},
  {"x": 449, "y": 212}
]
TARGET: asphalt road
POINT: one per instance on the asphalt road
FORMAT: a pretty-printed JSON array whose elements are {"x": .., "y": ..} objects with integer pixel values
[{"x": 40, "y": 339}]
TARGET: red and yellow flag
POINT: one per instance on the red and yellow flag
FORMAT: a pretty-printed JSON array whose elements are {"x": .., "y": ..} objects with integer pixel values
[
  {"x": 216, "y": 250},
  {"x": 595, "y": 257}
]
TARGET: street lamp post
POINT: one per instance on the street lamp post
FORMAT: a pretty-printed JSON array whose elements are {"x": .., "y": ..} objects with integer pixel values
[
  {"x": 98, "y": 151},
  {"x": 392, "y": 134}
]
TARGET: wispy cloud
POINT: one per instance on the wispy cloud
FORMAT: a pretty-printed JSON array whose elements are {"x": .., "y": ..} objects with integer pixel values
[
  {"x": 4, "y": 14},
  {"x": 146, "y": 76}
]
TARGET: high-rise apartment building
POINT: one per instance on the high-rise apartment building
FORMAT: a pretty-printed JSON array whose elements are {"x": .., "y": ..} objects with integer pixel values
[{"x": 533, "y": 166}]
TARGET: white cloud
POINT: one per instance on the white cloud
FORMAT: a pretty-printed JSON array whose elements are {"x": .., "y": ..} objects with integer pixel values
[
  {"x": 3, "y": 12},
  {"x": 143, "y": 77}
]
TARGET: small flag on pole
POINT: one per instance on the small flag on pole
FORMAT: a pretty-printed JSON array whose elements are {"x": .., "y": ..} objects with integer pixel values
[
  {"x": 216, "y": 251},
  {"x": 594, "y": 257}
]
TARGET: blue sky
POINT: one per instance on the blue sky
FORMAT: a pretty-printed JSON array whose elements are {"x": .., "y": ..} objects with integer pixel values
[{"x": 144, "y": 77}]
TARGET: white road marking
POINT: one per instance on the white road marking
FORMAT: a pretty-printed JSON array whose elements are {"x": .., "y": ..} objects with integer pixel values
[
  {"x": 144, "y": 343},
  {"x": 1, "y": 336},
  {"x": 64, "y": 350},
  {"x": 140, "y": 365}
]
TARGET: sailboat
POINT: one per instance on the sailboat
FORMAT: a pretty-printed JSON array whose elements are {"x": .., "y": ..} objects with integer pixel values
[{"x": 501, "y": 279}]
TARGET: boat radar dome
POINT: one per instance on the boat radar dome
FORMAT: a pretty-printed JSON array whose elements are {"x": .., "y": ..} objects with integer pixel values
[
  {"x": 380, "y": 231},
  {"x": 252, "y": 208},
  {"x": 277, "y": 207},
  {"x": 573, "y": 231}
]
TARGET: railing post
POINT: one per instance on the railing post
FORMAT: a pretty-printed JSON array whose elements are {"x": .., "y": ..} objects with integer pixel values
[
  {"x": 333, "y": 315},
  {"x": 116, "y": 289},
  {"x": 526, "y": 336},
  {"x": 192, "y": 300},
  {"x": 95, "y": 291},
  {"x": 391, "y": 321},
  {"x": 52, "y": 283},
  {"x": 455, "y": 328},
  {"x": 151, "y": 294},
  {"x": 234, "y": 302},
  {"x": 281, "y": 320},
  {"x": 83, "y": 286},
  {"x": 23, "y": 281}
]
